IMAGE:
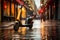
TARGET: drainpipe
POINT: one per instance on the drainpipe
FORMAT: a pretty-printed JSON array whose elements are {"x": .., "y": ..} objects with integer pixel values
[
  {"x": 2, "y": 1},
  {"x": 56, "y": 9}
]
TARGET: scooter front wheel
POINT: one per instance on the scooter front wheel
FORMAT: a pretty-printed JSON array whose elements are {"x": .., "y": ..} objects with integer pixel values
[{"x": 16, "y": 26}]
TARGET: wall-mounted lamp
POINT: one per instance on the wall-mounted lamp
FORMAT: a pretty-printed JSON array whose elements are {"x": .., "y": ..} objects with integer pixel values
[{"x": 41, "y": 4}]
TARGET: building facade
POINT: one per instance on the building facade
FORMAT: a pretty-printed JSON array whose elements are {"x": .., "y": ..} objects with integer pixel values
[
  {"x": 50, "y": 11},
  {"x": 32, "y": 8},
  {"x": 7, "y": 10},
  {"x": 10, "y": 10},
  {"x": 0, "y": 10}
]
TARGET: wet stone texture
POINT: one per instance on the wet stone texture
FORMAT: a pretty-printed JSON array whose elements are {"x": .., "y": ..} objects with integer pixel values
[
  {"x": 45, "y": 30},
  {"x": 22, "y": 34},
  {"x": 7, "y": 34}
]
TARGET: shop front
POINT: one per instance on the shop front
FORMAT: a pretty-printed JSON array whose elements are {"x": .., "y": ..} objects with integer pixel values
[{"x": 7, "y": 10}]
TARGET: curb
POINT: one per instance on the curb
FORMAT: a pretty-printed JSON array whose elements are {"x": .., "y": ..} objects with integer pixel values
[{"x": 7, "y": 25}]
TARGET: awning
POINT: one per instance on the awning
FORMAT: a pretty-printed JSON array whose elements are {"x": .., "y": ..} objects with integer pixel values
[
  {"x": 20, "y": 2},
  {"x": 50, "y": 2}
]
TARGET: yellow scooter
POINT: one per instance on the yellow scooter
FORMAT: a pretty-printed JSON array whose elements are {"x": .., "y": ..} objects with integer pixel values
[{"x": 29, "y": 23}]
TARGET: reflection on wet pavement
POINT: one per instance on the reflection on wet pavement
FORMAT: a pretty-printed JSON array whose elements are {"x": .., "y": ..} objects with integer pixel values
[
  {"x": 48, "y": 31},
  {"x": 10, "y": 34},
  {"x": 22, "y": 34}
]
